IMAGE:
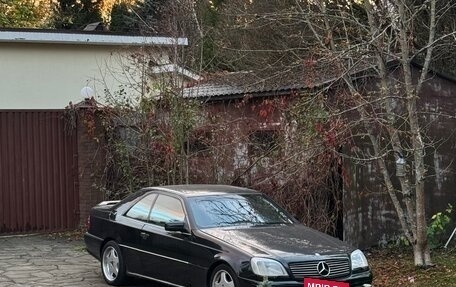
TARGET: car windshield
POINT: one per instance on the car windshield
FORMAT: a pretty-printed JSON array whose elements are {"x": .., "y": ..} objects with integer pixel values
[{"x": 236, "y": 209}]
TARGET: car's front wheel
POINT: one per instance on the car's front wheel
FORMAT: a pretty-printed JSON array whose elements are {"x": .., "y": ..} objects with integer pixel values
[
  {"x": 112, "y": 264},
  {"x": 224, "y": 276}
]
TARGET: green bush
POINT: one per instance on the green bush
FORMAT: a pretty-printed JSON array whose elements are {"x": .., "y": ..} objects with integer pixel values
[{"x": 438, "y": 226}]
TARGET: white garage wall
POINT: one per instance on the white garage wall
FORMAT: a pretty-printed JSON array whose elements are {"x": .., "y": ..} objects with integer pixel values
[{"x": 49, "y": 76}]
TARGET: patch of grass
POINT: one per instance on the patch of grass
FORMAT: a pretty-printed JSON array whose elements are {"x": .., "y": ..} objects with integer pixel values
[
  {"x": 71, "y": 235},
  {"x": 394, "y": 267}
]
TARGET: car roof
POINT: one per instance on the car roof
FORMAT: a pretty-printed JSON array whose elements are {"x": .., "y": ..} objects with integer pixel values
[{"x": 203, "y": 189}]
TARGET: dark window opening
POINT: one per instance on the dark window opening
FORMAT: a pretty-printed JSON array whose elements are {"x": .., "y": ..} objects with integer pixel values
[
  {"x": 198, "y": 143},
  {"x": 263, "y": 141}
]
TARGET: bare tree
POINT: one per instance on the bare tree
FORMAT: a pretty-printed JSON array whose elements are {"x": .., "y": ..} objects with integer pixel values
[{"x": 390, "y": 31}]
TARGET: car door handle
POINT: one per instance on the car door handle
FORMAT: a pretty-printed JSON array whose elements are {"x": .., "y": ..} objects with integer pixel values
[{"x": 144, "y": 235}]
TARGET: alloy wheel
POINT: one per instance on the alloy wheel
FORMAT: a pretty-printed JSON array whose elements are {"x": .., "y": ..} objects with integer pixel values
[
  {"x": 110, "y": 263},
  {"x": 222, "y": 279}
]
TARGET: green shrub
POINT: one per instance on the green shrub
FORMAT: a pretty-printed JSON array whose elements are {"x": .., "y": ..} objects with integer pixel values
[{"x": 438, "y": 226}]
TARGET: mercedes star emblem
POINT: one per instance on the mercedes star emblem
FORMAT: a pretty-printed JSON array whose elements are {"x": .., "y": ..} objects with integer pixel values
[{"x": 323, "y": 268}]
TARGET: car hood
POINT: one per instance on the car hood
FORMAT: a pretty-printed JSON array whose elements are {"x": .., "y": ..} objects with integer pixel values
[{"x": 284, "y": 241}]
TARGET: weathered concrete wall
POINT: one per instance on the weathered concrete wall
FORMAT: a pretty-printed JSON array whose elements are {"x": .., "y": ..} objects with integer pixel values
[
  {"x": 227, "y": 131},
  {"x": 369, "y": 216}
]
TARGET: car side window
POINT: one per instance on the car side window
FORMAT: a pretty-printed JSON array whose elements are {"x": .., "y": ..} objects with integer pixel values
[
  {"x": 141, "y": 209},
  {"x": 167, "y": 209}
]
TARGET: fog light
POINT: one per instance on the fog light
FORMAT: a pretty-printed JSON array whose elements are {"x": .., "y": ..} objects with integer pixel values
[{"x": 367, "y": 285}]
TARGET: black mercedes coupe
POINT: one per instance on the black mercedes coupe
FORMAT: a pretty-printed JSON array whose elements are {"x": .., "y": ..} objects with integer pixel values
[{"x": 216, "y": 236}]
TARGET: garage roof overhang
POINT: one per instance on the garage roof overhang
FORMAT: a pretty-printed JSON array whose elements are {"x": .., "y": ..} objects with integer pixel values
[{"x": 85, "y": 38}]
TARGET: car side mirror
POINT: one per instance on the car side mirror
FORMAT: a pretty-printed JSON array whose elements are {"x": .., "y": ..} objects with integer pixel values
[{"x": 176, "y": 227}]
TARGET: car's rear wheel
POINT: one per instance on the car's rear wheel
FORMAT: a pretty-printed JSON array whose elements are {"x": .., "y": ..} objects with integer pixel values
[
  {"x": 224, "y": 276},
  {"x": 112, "y": 264}
]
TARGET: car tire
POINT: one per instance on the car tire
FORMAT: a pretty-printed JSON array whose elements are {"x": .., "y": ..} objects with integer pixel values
[
  {"x": 223, "y": 276},
  {"x": 112, "y": 264}
]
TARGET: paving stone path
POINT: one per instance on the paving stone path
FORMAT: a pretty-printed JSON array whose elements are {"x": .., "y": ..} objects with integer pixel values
[{"x": 43, "y": 261}]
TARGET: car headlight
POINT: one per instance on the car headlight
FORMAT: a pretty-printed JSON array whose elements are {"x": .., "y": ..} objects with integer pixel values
[
  {"x": 267, "y": 267},
  {"x": 358, "y": 260}
]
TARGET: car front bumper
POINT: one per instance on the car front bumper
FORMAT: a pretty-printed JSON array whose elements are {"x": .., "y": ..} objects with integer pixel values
[{"x": 363, "y": 279}]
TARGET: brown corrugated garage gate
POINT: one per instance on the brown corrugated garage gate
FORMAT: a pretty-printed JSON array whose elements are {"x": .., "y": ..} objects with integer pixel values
[{"x": 38, "y": 172}]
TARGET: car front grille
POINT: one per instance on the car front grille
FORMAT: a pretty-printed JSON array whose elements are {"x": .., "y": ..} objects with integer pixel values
[{"x": 339, "y": 267}]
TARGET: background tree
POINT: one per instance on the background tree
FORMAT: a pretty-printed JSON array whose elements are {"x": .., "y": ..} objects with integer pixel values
[
  {"x": 142, "y": 17},
  {"x": 23, "y": 14},
  {"x": 76, "y": 14},
  {"x": 444, "y": 59},
  {"x": 122, "y": 18},
  {"x": 209, "y": 23}
]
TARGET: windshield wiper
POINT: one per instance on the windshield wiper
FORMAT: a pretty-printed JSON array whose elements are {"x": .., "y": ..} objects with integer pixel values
[
  {"x": 270, "y": 223},
  {"x": 238, "y": 222}
]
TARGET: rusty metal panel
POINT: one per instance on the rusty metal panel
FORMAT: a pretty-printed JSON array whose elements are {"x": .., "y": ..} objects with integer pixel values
[{"x": 38, "y": 172}]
